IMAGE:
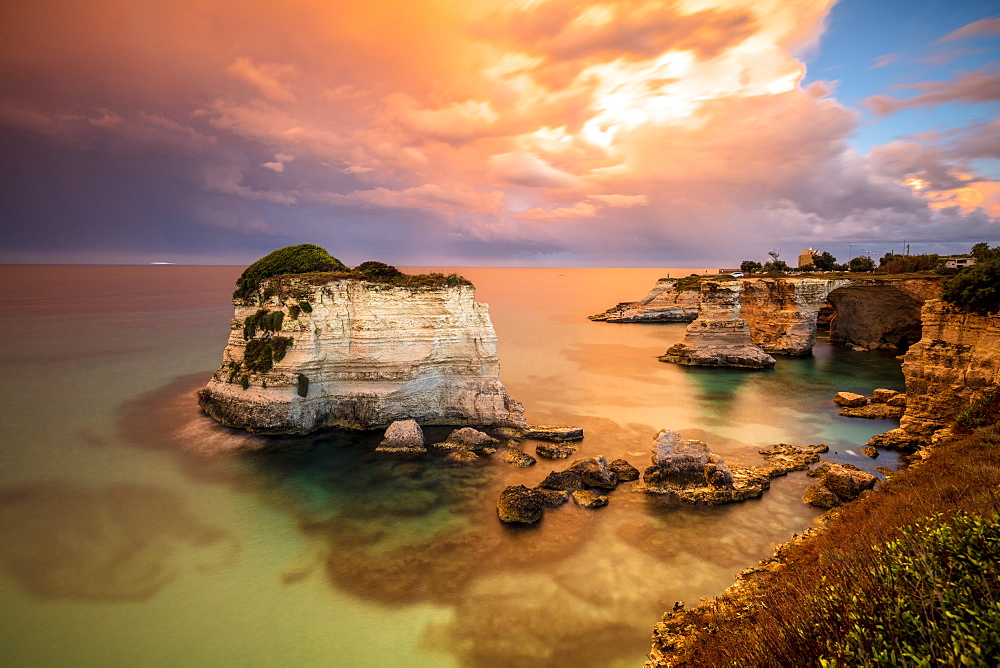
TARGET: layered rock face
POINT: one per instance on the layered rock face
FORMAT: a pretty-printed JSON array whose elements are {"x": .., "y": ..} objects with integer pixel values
[
  {"x": 868, "y": 312},
  {"x": 664, "y": 303},
  {"x": 719, "y": 337},
  {"x": 783, "y": 313},
  {"x": 955, "y": 363},
  {"x": 352, "y": 353},
  {"x": 874, "y": 313}
]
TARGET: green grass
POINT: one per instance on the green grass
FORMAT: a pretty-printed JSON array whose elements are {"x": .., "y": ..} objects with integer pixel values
[{"x": 298, "y": 259}]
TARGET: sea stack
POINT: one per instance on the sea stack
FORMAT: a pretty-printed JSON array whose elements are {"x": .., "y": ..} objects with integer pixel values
[
  {"x": 719, "y": 337},
  {"x": 356, "y": 348}
]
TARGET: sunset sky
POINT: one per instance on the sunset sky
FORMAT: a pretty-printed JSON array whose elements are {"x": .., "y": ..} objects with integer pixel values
[{"x": 497, "y": 132}]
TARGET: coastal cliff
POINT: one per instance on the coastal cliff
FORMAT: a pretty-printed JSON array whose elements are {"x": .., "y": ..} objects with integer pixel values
[
  {"x": 719, "y": 337},
  {"x": 670, "y": 300},
  {"x": 955, "y": 362},
  {"x": 322, "y": 350}
]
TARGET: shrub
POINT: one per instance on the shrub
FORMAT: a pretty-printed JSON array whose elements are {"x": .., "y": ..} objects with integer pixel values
[
  {"x": 300, "y": 259},
  {"x": 975, "y": 288},
  {"x": 293, "y": 312},
  {"x": 980, "y": 411},
  {"x": 861, "y": 264},
  {"x": 904, "y": 264},
  {"x": 279, "y": 346},
  {"x": 689, "y": 282},
  {"x": 263, "y": 319},
  {"x": 378, "y": 270},
  {"x": 303, "y": 385},
  {"x": 244, "y": 382},
  {"x": 937, "y": 586},
  {"x": 305, "y": 306}
]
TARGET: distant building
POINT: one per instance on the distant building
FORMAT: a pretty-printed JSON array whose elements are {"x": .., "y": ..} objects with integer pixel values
[
  {"x": 958, "y": 261},
  {"x": 806, "y": 257}
]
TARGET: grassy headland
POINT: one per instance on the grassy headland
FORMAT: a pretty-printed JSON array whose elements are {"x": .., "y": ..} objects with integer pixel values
[{"x": 907, "y": 575}]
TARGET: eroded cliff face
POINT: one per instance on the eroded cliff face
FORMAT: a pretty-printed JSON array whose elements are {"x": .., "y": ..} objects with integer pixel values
[
  {"x": 664, "y": 303},
  {"x": 357, "y": 354},
  {"x": 953, "y": 364},
  {"x": 782, "y": 312},
  {"x": 719, "y": 337}
]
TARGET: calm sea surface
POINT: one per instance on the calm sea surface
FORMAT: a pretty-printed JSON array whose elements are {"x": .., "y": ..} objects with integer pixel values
[{"x": 136, "y": 532}]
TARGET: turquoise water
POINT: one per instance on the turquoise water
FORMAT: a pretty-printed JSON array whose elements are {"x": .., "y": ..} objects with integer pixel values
[{"x": 136, "y": 531}]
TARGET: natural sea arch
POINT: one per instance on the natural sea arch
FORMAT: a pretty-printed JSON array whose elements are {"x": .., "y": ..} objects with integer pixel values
[{"x": 867, "y": 312}]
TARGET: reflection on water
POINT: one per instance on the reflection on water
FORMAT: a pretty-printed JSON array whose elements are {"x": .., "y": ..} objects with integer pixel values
[
  {"x": 399, "y": 562},
  {"x": 117, "y": 543}
]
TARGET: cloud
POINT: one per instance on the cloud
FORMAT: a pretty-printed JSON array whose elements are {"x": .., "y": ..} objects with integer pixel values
[
  {"x": 265, "y": 78},
  {"x": 527, "y": 169},
  {"x": 982, "y": 85},
  {"x": 981, "y": 28},
  {"x": 884, "y": 60},
  {"x": 635, "y": 130}
]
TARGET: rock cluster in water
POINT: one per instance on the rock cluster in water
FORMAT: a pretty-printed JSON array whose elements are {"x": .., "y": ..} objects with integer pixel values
[
  {"x": 838, "y": 484},
  {"x": 882, "y": 404},
  {"x": 587, "y": 481},
  {"x": 687, "y": 470}
]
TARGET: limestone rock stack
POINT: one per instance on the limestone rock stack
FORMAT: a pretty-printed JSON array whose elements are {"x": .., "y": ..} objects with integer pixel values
[
  {"x": 308, "y": 351},
  {"x": 955, "y": 363},
  {"x": 719, "y": 337},
  {"x": 666, "y": 302}
]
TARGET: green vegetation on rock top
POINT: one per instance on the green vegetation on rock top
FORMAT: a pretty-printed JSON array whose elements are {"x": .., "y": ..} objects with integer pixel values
[
  {"x": 976, "y": 288},
  {"x": 300, "y": 259},
  {"x": 313, "y": 264}
]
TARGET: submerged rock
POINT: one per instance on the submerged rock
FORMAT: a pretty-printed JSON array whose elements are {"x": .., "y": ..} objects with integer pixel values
[
  {"x": 547, "y": 433},
  {"x": 870, "y": 451},
  {"x": 588, "y": 498},
  {"x": 462, "y": 457},
  {"x": 466, "y": 438},
  {"x": 552, "y": 497},
  {"x": 519, "y": 504},
  {"x": 850, "y": 400},
  {"x": 624, "y": 471},
  {"x": 403, "y": 437},
  {"x": 563, "y": 480},
  {"x": 553, "y": 451},
  {"x": 874, "y": 412},
  {"x": 594, "y": 472},
  {"x": 518, "y": 458}
]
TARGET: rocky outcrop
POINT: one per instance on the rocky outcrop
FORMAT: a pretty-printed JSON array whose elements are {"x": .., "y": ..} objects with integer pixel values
[
  {"x": 688, "y": 471},
  {"x": 955, "y": 363},
  {"x": 552, "y": 433},
  {"x": 519, "y": 505},
  {"x": 838, "y": 484},
  {"x": 666, "y": 302},
  {"x": 782, "y": 314},
  {"x": 307, "y": 352},
  {"x": 719, "y": 337},
  {"x": 554, "y": 451},
  {"x": 403, "y": 437},
  {"x": 882, "y": 405}
]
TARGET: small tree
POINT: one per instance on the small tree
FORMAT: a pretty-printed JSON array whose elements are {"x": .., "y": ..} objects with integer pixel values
[
  {"x": 777, "y": 265},
  {"x": 750, "y": 267},
  {"x": 824, "y": 261},
  {"x": 861, "y": 264}
]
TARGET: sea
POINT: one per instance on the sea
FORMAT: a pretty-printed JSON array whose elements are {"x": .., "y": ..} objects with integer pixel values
[{"x": 138, "y": 532}]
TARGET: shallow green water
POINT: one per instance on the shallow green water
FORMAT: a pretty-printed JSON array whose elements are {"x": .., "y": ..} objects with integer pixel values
[{"x": 122, "y": 546}]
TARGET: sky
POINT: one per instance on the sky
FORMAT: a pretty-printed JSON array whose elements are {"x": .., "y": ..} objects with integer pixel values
[{"x": 623, "y": 133}]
